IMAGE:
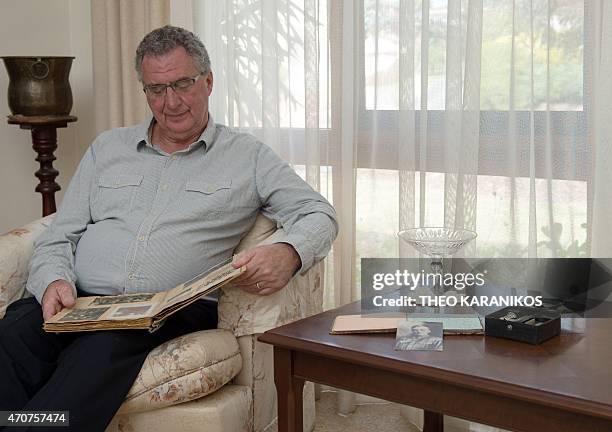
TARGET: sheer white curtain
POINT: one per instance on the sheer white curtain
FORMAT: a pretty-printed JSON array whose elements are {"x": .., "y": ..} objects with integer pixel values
[
  {"x": 480, "y": 114},
  {"x": 475, "y": 112},
  {"x": 271, "y": 78},
  {"x": 599, "y": 90}
]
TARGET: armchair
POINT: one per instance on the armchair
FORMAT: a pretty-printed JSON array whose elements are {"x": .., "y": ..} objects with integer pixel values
[{"x": 222, "y": 379}]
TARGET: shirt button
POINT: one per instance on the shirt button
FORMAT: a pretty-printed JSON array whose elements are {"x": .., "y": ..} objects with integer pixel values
[
  {"x": 131, "y": 276},
  {"x": 173, "y": 157},
  {"x": 141, "y": 238}
]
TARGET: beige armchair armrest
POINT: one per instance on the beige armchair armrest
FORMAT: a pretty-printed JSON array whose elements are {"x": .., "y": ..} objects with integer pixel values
[
  {"x": 245, "y": 314},
  {"x": 16, "y": 247}
]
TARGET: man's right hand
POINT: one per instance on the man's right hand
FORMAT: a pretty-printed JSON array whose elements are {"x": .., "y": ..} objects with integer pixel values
[{"x": 58, "y": 295}]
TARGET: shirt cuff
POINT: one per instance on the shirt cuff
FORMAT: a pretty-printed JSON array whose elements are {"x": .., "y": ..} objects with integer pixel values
[
  {"x": 37, "y": 286},
  {"x": 303, "y": 249}
]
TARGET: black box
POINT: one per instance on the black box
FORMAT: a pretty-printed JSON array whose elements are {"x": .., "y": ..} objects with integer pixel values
[{"x": 524, "y": 324}]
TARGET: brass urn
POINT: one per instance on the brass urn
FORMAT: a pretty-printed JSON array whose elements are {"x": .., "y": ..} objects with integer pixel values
[{"x": 39, "y": 86}]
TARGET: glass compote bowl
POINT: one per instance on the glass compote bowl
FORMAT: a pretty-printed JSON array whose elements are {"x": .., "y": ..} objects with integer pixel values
[{"x": 437, "y": 242}]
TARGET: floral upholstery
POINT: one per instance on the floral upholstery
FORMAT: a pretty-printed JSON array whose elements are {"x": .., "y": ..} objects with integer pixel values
[
  {"x": 16, "y": 247},
  {"x": 171, "y": 390},
  {"x": 183, "y": 369}
]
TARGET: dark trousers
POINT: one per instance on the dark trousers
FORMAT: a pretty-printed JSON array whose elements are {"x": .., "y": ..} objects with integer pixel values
[{"x": 87, "y": 373}]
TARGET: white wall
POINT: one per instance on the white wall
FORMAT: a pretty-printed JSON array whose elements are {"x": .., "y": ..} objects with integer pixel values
[{"x": 43, "y": 28}]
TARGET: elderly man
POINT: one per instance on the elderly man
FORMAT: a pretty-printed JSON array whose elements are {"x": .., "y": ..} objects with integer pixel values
[{"x": 149, "y": 207}]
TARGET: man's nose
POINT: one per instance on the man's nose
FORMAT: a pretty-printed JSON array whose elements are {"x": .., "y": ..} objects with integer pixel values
[{"x": 172, "y": 99}]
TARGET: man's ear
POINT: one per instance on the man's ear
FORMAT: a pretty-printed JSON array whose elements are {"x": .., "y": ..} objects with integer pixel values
[{"x": 209, "y": 82}]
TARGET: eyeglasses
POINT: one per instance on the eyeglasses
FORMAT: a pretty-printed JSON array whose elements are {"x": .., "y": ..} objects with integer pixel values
[{"x": 181, "y": 86}]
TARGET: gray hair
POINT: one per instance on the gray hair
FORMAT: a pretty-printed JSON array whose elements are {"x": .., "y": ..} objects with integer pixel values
[{"x": 164, "y": 39}]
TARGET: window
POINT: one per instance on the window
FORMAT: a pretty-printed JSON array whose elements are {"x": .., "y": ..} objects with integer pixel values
[{"x": 510, "y": 88}]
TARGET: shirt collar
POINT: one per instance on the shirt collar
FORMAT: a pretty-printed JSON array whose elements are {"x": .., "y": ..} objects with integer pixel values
[{"x": 206, "y": 137}]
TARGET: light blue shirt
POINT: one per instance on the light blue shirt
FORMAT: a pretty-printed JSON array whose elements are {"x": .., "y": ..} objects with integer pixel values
[{"x": 137, "y": 219}]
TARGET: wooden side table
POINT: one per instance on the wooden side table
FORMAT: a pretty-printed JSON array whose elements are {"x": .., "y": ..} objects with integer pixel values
[
  {"x": 44, "y": 142},
  {"x": 562, "y": 385}
]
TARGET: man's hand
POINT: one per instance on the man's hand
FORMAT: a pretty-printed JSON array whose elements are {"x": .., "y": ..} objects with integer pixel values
[
  {"x": 58, "y": 295},
  {"x": 268, "y": 268}
]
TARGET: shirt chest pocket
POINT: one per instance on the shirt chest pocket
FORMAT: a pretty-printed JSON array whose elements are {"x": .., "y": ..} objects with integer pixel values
[
  {"x": 115, "y": 194},
  {"x": 205, "y": 198}
]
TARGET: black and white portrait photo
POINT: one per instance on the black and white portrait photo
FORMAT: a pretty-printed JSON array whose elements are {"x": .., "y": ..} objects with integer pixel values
[{"x": 419, "y": 336}]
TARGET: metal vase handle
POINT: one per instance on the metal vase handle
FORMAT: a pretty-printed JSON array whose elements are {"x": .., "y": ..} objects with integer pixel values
[{"x": 39, "y": 69}]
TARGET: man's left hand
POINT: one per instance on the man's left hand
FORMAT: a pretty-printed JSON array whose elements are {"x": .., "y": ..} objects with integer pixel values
[{"x": 268, "y": 268}]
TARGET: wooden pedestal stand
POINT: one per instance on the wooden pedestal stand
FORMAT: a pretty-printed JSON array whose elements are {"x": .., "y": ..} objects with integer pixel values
[{"x": 44, "y": 142}]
